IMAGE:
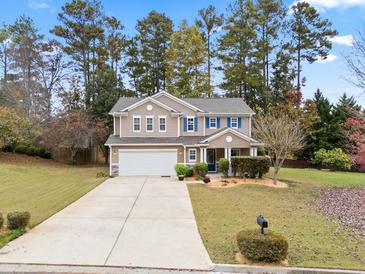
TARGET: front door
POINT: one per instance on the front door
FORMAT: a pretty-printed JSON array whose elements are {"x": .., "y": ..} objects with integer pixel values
[{"x": 211, "y": 160}]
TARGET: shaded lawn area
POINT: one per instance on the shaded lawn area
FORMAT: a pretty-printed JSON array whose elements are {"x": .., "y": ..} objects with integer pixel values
[
  {"x": 42, "y": 187},
  {"x": 313, "y": 241}
]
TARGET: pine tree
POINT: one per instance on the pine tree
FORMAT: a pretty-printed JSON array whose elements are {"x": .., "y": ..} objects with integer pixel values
[
  {"x": 154, "y": 34},
  {"x": 270, "y": 18},
  {"x": 185, "y": 59},
  {"x": 209, "y": 23},
  {"x": 237, "y": 53},
  {"x": 83, "y": 31},
  {"x": 309, "y": 35}
]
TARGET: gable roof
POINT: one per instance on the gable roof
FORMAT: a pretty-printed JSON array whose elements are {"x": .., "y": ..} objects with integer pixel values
[
  {"x": 230, "y": 130},
  {"x": 148, "y": 99},
  {"x": 124, "y": 102},
  {"x": 176, "y": 99},
  {"x": 209, "y": 105}
]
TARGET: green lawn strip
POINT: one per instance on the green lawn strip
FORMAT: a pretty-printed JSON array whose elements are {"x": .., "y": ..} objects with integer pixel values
[
  {"x": 43, "y": 190},
  {"x": 8, "y": 236},
  {"x": 313, "y": 241}
]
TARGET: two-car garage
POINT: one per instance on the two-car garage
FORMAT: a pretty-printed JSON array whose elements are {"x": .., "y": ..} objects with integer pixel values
[{"x": 158, "y": 162}]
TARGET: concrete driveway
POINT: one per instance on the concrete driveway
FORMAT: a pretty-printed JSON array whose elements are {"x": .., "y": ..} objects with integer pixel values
[{"x": 126, "y": 221}]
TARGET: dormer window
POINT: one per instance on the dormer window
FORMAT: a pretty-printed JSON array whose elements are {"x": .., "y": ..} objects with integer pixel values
[
  {"x": 136, "y": 123},
  {"x": 213, "y": 122},
  {"x": 234, "y": 122}
]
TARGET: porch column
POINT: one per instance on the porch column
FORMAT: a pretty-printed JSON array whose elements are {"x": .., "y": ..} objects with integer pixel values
[
  {"x": 204, "y": 155},
  {"x": 226, "y": 153},
  {"x": 251, "y": 151},
  {"x": 229, "y": 159},
  {"x": 184, "y": 155},
  {"x": 201, "y": 155}
]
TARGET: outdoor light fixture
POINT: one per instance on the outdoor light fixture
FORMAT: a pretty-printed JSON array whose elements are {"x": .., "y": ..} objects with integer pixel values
[{"x": 262, "y": 223}]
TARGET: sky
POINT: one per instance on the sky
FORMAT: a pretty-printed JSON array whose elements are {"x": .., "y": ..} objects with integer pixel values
[{"x": 330, "y": 76}]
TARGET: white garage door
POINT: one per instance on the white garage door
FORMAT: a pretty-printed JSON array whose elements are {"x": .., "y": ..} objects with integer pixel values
[{"x": 160, "y": 162}]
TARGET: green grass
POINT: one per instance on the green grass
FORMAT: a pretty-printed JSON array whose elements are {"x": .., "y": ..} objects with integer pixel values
[
  {"x": 41, "y": 187},
  {"x": 313, "y": 241},
  {"x": 8, "y": 236}
]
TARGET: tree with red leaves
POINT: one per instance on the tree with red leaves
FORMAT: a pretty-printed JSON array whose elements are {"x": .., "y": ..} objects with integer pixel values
[{"x": 355, "y": 127}]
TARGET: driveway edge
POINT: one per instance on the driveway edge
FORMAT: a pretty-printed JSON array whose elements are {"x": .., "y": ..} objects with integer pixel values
[
  {"x": 231, "y": 268},
  {"x": 14, "y": 268}
]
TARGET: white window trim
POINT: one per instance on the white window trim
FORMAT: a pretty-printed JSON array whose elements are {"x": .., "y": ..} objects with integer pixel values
[
  {"x": 187, "y": 123},
  {"x": 140, "y": 123},
  {"x": 164, "y": 117},
  {"x": 236, "y": 122},
  {"x": 149, "y": 116},
  {"x": 210, "y": 122},
  {"x": 192, "y": 149}
]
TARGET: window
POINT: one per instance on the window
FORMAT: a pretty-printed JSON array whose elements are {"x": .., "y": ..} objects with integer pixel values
[
  {"x": 162, "y": 123},
  {"x": 234, "y": 122},
  {"x": 136, "y": 123},
  {"x": 149, "y": 123},
  {"x": 213, "y": 122},
  {"x": 235, "y": 152},
  {"x": 191, "y": 127},
  {"x": 192, "y": 154}
]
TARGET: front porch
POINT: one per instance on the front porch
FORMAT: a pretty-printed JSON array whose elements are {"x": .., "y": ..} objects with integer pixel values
[{"x": 211, "y": 156}]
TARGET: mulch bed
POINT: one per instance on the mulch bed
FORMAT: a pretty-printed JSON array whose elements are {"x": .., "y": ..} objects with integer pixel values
[{"x": 346, "y": 206}]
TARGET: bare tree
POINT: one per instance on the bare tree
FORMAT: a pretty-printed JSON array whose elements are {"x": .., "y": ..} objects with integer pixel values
[
  {"x": 356, "y": 61},
  {"x": 281, "y": 135},
  {"x": 74, "y": 130},
  {"x": 52, "y": 71}
]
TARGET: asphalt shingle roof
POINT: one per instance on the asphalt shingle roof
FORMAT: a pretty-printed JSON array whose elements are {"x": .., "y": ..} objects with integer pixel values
[
  {"x": 220, "y": 105},
  {"x": 184, "y": 140},
  {"x": 213, "y": 105}
]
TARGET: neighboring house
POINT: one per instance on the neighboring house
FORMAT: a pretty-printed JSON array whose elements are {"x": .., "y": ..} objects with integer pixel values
[{"x": 152, "y": 134}]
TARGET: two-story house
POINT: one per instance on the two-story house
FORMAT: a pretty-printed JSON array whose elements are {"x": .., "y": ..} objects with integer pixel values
[{"x": 152, "y": 134}]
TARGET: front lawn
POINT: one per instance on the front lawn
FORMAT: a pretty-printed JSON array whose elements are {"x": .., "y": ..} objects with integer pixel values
[
  {"x": 42, "y": 187},
  {"x": 313, "y": 241}
]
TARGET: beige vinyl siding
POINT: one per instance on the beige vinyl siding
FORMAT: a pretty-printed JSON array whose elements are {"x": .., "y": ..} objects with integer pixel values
[
  {"x": 127, "y": 122},
  {"x": 244, "y": 125},
  {"x": 116, "y": 125},
  {"x": 220, "y": 142}
]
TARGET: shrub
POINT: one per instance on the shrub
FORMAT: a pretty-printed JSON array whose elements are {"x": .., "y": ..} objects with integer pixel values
[
  {"x": 180, "y": 169},
  {"x": 201, "y": 169},
  {"x": 18, "y": 219},
  {"x": 189, "y": 172},
  {"x": 44, "y": 154},
  {"x": 253, "y": 166},
  {"x": 224, "y": 166},
  {"x": 20, "y": 149},
  {"x": 1, "y": 220},
  {"x": 333, "y": 159},
  {"x": 33, "y": 151},
  {"x": 101, "y": 174},
  {"x": 206, "y": 179},
  {"x": 269, "y": 247}
]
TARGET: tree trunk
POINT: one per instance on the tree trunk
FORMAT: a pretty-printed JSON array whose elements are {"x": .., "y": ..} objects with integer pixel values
[{"x": 209, "y": 65}]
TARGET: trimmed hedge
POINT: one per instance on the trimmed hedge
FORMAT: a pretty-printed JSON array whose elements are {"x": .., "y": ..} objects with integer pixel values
[
  {"x": 33, "y": 151},
  {"x": 181, "y": 169},
  {"x": 1, "y": 220},
  {"x": 255, "y": 167},
  {"x": 201, "y": 169},
  {"x": 268, "y": 247},
  {"x": 18, "y": 219},
  {"x": 224, "y": 166}
]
